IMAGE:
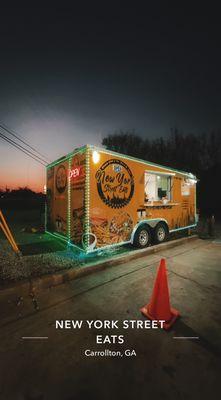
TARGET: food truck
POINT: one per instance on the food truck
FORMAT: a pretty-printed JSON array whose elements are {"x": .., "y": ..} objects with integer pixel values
[{"x": 97, "y": 198}]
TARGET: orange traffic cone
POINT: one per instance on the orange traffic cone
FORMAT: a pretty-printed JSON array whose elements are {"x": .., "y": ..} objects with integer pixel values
[{"x": 159, "y": 306}]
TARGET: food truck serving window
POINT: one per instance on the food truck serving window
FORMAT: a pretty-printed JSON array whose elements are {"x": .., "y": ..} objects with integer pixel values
[{"x": 157, "y": 186}]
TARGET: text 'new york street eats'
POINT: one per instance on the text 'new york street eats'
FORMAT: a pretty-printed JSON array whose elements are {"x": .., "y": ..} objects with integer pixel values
[{"x": 109, "y": 324}]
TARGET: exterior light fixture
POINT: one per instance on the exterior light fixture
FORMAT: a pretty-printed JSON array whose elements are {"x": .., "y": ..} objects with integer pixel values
[
  {"x": 95, "y": 157},
  {"x": 192, "y": 181}
]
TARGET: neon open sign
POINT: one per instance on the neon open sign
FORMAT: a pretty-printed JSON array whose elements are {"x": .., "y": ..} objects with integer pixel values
[{"x": 74, "y": 173}]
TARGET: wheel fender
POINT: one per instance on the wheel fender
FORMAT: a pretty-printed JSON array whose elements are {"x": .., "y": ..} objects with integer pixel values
[{"x": 151, "y": 223}]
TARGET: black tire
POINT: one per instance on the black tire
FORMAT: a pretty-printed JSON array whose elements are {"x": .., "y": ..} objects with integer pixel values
[
  {"x": 160, "y": 233},
  {"x": 142, "y": 237}
]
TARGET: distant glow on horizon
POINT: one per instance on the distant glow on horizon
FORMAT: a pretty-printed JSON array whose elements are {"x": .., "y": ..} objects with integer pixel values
[
  {"x": 18, "y": 170},
  {"x": 53, "y": 134}
]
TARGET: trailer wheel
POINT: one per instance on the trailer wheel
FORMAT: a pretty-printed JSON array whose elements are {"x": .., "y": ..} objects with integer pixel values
[
  {"x": 160, "y": 233},
  {"x": 142, "y": 237}
]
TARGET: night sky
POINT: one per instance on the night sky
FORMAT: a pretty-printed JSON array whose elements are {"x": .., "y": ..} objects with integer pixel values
[{"x": 71, "y": 75}]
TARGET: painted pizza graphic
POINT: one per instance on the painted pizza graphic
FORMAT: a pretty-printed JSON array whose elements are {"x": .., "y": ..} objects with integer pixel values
[{"x": 115, "y": 183}]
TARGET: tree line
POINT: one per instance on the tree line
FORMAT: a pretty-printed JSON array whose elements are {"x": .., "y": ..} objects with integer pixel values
[
  {"x": 199, "y": 154},
  {"x": 188, "y": 152}
]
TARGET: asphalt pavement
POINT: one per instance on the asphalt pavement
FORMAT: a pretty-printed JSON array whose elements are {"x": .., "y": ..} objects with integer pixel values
[{"x": 38, "y": 361}]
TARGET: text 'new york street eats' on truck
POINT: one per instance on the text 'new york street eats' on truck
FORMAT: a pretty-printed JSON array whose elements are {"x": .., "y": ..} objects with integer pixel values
[{"x": 98, "y": 198}]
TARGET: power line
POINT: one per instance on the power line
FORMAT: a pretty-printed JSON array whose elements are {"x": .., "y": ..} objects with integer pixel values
[
  {"x": 28, "y": 152},
  {"x": 19, "y": 137},
  {"x": 18, "y": 146}
]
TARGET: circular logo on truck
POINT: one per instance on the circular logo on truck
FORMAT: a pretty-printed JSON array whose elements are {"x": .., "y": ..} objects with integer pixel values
[
  {"x": 61, "y": 179},
  {"x": 115, "y": 183}
]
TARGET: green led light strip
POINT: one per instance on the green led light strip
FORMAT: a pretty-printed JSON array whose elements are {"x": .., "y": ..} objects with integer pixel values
[
  {"x": 69, "y": 155},
  {"x": 108, "y": 246},
  {"x": 57, "y": 235},
  {"x": 182, "y": 228},
  {"x": 114, "y": 153},
  {"x": 87, "y": 199}
]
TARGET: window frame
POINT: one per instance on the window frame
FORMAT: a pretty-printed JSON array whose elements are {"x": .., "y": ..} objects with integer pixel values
[{"x": 168, "y": 175}]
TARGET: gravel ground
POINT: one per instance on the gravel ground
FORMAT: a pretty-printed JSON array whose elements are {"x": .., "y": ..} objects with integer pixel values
[{"x": 14, "y": 267}]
